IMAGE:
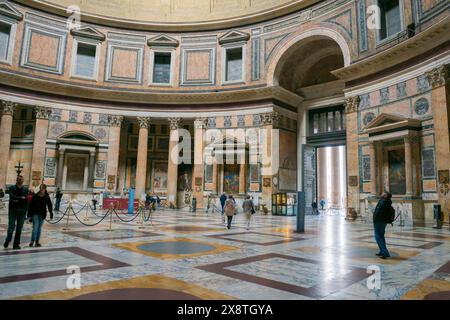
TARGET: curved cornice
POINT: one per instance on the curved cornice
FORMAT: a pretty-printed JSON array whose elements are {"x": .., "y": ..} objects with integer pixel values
[
  {"x": 194, "y": 22},
  {"x": 423, "y": 42},
  {"x": 54, "y": 86}
]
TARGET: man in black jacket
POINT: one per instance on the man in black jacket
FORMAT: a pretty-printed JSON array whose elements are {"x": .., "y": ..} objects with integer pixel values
[
  {"x": 380, "y": 221},
  {"x": 16, "y": 212}
]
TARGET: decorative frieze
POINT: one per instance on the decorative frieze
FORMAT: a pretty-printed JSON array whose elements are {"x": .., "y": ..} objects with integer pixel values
[
  {"x": 144, "y": 122},
  {"x": 115, "y": 121},
  {"x": 8, "y": 107},
  {"x": 211, "y": 122},
  {"x": 174, "y": 123},
  {"x": 352, "y": 104},
  {"x": 438, "y": 76},
  {"x": 42, "y": 112}
]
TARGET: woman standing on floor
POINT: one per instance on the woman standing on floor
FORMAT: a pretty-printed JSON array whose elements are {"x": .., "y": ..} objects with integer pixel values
[
  {"x": 37, "y": 212},
  {"x": 249, "y": 209},
  {"x": 230, "y": 209}
]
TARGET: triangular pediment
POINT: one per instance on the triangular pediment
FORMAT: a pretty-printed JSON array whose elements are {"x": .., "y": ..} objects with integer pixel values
[
  {"x": 162, "y": 40},
  {"x": 387, "y": 121},
  {"x": 234, "y": 36},
  {"x": 8, "y": 10},
  {"x": 88, "y": 32}
]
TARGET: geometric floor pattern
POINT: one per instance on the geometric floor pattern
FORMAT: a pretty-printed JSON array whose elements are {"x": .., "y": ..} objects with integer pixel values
[{"x": 189, "y": 256}]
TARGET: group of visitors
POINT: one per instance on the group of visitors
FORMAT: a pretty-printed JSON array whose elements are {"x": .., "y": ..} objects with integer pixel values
[
  {"x": 152, "y": 201},
  {"x": 230, "y": 208},
  {"x": 23, "y": 205}
]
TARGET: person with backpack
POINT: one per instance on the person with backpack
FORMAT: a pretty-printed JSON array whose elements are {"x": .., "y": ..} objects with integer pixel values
[
  {"x": 383, "y": 214},
  {"x": 17, "y": 211},
  {"x": 230, "y": 209},
  {"x": 249, "y": 209},
  {"x": 37, "y": 212}
]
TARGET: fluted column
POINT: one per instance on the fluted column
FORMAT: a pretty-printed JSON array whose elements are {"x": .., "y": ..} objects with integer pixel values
[
  {"x": 39, "y": 144},
  {"x": 352, "y": 145},
  {"x": 408, "y": 166},
  {"x": 373, "y": 169},
  {"x": 59, "y": 177},
  {"x": 115, "y": 123},
  {"x": 172, "y": 170},
  {"x": 141, "y": 165},
  {"x": 199, "y": 164},
  {"x": 7, "y": 109}
]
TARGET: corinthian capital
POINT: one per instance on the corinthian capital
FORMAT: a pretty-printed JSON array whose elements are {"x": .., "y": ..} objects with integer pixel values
[
  {"x": 439, "y": 76},
  {"x": 352, "y": 104},
  {"x": 270, "y": 118},
  {"x": 174, "y": 123},
  {"x": 144, "y": 122},
  {"x": 115, "y": 121},
  {"x": 7, "y": 107},
  {"x": 200, "y": 123},
  {"x": 42, "y": 112}
]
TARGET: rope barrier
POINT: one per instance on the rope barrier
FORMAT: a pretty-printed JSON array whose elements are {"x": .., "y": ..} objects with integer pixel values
[
  {"x": 137, "y": 215},
  {"x": 94, "y": 224}
]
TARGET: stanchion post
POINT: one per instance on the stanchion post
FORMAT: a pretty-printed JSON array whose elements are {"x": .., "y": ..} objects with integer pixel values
[
  {"x": 68, "y": 215},
  {"x": 110, "y": 217},
  {"x": 87, "y": 209}
]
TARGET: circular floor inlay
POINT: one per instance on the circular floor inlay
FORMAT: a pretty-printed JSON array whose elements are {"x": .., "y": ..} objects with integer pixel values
[
  {"x": 137, "y": 294},
  {"x": 176, "y": 247}
]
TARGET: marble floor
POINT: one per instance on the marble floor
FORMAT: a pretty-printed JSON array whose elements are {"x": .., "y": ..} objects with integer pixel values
[{"x": 188, "y": 256}]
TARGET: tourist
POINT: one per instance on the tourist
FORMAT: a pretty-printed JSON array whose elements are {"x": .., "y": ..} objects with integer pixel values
[
  {"x": 230, "y": 209},
  {"x": 222, "y": 199},
  {"x": 16, "y": 212},
  {"x": 249, "y": 209},
  {"x": 37, "y": 212},
  {"x": 315, "y": 210},
  {"x": 381, "y": 217},
  {"x": 148, "y": 200},
  {"x": 2, "y": 193},
  {"x": 94, "y": 201},
  {"x": 58, "y": 197}
]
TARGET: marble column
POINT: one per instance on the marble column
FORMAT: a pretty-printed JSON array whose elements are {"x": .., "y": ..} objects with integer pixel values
[
  {"x": 7, "y": 109},
  {"x": 142, "y": 155},
  {"x": 172, "y": 170},
  {"x": 373, "y": 169},
  {"x": 352, "y": 157},
  {"x": 199, "y": 163},
  {"x": 439, "y": 79},
  {"x": 115, "y": 123},
  {"x": 39, "y": 145},
  {"x": 408, "y": 166},
  {"x": 91, "y": 169},
  {"x": 60, "y": 167}
]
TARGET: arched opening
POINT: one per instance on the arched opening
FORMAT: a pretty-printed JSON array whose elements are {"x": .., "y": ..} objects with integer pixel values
[
  {"x": 77, "y": 157},
  {"x": 305, "y": 68}
]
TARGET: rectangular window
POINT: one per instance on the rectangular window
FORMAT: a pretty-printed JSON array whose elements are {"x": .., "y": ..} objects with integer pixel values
[
  {"x": 233, "y": 70},
  {"x": 23, "y": 114},
  {"x": 85, "y": 60},
  {"x": 161, "y": 67},
  {"x": 390, "y": 18},
  {"x": 5, "y": 34}
]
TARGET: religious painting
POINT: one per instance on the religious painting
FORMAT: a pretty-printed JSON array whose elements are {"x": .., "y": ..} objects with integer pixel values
[
  {"x": 159, "y": 176},
  {"x": 266, "y": 182},
  {"x": 353, "y": 181},
  {"x": 184, "y": 177},
  {"x": 255, "y": 171},
  {"x": 162, "y": 143},
  {"x": 397, "y": 176},
  {"x": 444, "y": 176},
  {"x": 231, "y": 178},
  {"x": 198, "y": 181}
]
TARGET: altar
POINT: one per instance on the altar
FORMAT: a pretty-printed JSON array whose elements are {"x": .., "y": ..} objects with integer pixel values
[{"x": 119, "y": 203}]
